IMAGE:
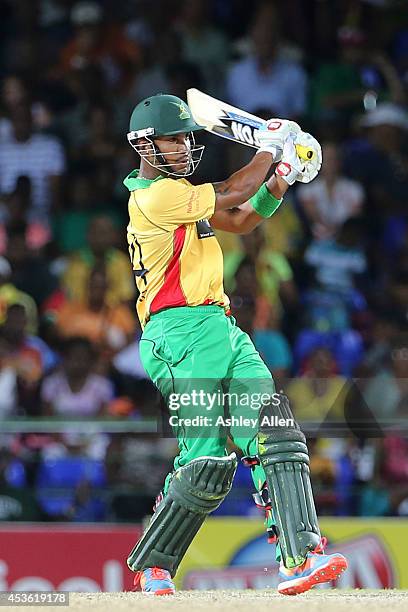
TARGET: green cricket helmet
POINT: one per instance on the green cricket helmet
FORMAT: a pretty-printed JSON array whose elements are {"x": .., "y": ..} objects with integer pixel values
[{"x": 164, "y": 115}]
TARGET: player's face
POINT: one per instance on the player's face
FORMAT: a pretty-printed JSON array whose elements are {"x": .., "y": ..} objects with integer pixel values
[
  {"x": 176, "y": 155},
  {"x": 175, "y": 150}
]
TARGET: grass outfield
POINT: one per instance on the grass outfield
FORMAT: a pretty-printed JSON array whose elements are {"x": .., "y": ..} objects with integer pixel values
[{"x": 239, "y": 601}]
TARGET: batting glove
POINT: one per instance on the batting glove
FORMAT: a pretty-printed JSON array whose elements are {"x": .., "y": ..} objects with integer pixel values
[
  {"x": 272, "y": 135},
  {"x": 291, "y": 167},
  {"x": 312, "y": 165}
]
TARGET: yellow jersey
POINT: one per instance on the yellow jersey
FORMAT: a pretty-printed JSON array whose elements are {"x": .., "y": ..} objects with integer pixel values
[{"x": 175, "y": 255}]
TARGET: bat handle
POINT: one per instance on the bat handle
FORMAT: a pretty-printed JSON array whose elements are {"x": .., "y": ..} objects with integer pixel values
[{"x": 305, "y": 153}]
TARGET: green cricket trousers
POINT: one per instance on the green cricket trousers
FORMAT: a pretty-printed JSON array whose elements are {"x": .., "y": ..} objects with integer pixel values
[{"x": 212, "y": 378}]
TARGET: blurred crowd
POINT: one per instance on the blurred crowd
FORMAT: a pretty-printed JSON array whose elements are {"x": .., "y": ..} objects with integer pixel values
[{"x": 322, "y": 287}]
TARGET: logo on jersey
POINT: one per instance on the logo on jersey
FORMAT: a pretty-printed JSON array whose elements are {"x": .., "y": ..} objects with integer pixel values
[{"x": 204, "y": 229}]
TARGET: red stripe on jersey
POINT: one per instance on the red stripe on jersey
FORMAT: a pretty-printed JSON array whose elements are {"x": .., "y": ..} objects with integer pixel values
[{"x": 171, "y": 293}]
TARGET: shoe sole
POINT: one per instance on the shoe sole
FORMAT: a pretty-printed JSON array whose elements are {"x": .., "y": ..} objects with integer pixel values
[
  {"x": 164, "y": 592},
  {"x": 326, "y": 573},
  {"x": 159, "y": 592}
]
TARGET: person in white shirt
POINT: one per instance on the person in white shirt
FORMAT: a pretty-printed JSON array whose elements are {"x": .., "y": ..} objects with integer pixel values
[
  {"x": 332, "y": 198},
  {"x": 37, "y": 156},
  {"x": 267, "y": 78}
]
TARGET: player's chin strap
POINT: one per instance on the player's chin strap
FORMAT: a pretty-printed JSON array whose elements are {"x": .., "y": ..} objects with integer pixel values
[{"x": 155, "y": 158}]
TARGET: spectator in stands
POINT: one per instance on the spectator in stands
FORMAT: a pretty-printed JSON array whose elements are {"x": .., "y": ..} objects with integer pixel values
[
  {"x": 129, "y": 458},
  {"x": 109, "y": 328},
  {"x": 13, "y": 93},
  {"x": 30, "y": 271},
  {"x": 383, "y": 147},
  {"x": 16, "y": 92},
  {"x": 96, "y": 43},
  {"x": 101, "y": 251},
  {"x": 74, "y": 390},
  {"x": 394, "y": 231},
  {"x": 332, "y": 198},
  {"x": 71, "y": 225},
  {"x": 396, "y": 287},
  {"x": 153, "y": 76},
  {"x": 99, "y": 142},
  {"x": 339, "y": 88},
  {"x": 8, "y": 382},
  {"x": 16, "y": 503},
  {"x": 84, "y": 89},
  {"x": 324, "y": 472},
  {"x": 86, "y": 506},
  {"x": 388, "y": 389},
  {"x": 246, "y": 303},
  {"x": 127, "y": 361},
  {"x": 28, "y": 354},
  {"x": 339, "y": 266},
  {"x": 400, "y": 53},
  {"x": 73, "y": 444},
  {"x": 135, "y": 390},
  {"x": 387, "y": 493},
  {"x": 9, "y": 295},
  {"x": 265, "y": 79},
  {"x": 202, "y": 44},
  {"x": 273, "y": 273},
  {"x": 318, "y": 394},
  {"x": 286, "y": 234},
  {"x": 14, "y": 217},
  {"x": 164, "y": 69},
  {"x": 384, "y": 330},
  {"x": 37, "y": 156},
  {"x": 394, "y": 459}
]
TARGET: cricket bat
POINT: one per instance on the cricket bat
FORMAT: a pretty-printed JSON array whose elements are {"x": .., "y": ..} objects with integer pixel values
[{"x": 229, "y": 122}]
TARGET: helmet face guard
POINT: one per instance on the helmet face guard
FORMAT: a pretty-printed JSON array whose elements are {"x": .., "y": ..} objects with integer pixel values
[
  {"x": 155, "y": 158},
  {"x": 159, "y": 116}
]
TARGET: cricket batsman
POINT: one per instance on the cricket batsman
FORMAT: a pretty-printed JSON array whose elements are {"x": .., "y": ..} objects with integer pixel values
[{"x": 191, "y": 341}]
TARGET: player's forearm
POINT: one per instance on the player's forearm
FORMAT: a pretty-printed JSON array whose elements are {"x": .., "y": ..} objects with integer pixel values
[
  {"x": 277, "y": 186},
  {"x": 248, "y": 222},
  {"x": 249, "y": 218},
  {"x": 245, "y": 218},
  {"x": 244, "y": 183},
  {"x": 240, "y": 220}
]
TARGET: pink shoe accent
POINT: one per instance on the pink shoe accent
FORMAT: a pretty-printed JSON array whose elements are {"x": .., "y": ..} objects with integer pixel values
[{"x": 154, "y": 581}]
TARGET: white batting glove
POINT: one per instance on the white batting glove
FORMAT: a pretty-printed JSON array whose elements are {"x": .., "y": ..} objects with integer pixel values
[
  {"x": 272, "y": 135},
  {"x": 291, "y": 168},
  {"x": 311, "y": 166}
]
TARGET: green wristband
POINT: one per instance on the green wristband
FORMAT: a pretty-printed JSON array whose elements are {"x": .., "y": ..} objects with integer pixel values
[{"x": 264, "y": 203}]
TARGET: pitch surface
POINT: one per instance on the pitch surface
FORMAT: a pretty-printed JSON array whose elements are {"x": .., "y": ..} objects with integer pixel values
[{"x": 238, "y": 601}]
